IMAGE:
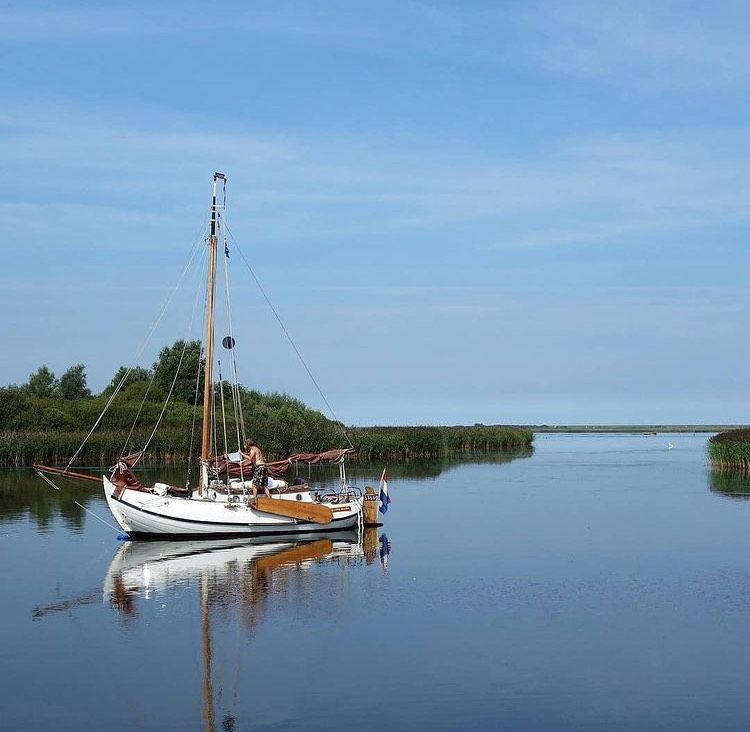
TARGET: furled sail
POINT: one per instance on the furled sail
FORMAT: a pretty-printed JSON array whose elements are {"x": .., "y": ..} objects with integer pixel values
[{"x": 242, "y": 466}]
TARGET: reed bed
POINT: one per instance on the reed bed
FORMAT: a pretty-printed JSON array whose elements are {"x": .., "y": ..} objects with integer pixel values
[
  {"x": 277, "y": 438},
  {"x": 415, "y": 443},
  {"x": 730, "y": 451}
]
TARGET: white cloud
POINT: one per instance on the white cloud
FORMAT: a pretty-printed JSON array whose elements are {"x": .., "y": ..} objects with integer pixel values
[
  {"x": 635, "y": 44},
  {"x": 596, "y": 188}
]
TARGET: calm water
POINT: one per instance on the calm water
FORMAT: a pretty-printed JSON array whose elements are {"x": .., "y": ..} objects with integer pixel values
[{"x": 603, "y": 583}]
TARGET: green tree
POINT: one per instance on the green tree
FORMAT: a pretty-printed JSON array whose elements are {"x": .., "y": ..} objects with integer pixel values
[
  {"x": 167, "y": 365},
  {"x": 14, "y": 404},
  {"x": 72, "y": 384},
  {"x": 137, "y": 375},
  {"x": 42, "y": 382},
  {"x": 56, "y": 419}
]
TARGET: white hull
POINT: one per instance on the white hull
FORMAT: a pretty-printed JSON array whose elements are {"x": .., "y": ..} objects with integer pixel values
[{"x": 147, "y": 515}]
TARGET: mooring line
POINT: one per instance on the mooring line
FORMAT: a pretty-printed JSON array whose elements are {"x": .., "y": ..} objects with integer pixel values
[{"x": 88, "y": 510}]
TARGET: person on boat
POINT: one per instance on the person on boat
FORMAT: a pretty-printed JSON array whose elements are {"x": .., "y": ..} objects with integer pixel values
[{"x": 260, "y": 469}]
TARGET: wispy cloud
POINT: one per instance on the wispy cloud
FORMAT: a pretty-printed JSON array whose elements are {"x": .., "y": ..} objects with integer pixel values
[
  {"x": 646, "y": 44},
  {"x": 636, "y": 44},
  {"x": 27, "y": 24},
  {"x": 597, "y": 188}
]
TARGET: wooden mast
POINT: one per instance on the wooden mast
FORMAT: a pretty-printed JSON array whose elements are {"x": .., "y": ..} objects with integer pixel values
[{"x": 208, "y": 350}]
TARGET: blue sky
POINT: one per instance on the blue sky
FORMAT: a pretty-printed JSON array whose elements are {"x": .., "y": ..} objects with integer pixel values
[{"x": 464, "y": 212}]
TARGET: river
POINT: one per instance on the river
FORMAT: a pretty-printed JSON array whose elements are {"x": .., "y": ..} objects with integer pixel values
[{"x": 601, "y": 583}]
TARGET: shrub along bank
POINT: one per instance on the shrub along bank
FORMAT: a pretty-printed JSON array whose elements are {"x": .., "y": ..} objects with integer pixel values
[{"x": 730, "y": 451}]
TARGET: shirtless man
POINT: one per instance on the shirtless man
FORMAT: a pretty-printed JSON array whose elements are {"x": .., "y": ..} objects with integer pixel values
[{"x": 260, "y": 471}]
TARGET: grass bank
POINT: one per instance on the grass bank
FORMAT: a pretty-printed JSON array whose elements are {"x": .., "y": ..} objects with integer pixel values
[
  {"x": 170, "y": 446},
  {"x": 730, "y": 451}
]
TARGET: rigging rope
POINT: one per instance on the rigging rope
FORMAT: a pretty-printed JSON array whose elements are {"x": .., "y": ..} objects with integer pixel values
[
  {"x": 177, "y": 371},
  {"x": 236, "y": 396},
  {"x": 290, "y": 339},
  {"x": 169, "y": 396},
  {"x": 223, "y": 413},
  {"x": 192, "y": 427},
  {"x": 215, "y": 451},
  {"x": 80, "y": 505},
  {"x": 138, "y": 414},
  {"x": 144, "y": 343},
  {"x": 156, "y": 368}
]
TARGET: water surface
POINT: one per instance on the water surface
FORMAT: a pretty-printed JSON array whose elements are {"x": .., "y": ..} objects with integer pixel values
[{"x": 601, "y": 583}]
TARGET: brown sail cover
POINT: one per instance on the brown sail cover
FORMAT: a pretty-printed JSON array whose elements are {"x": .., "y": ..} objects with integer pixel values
[
  {"x": 122, "y": 474},
  {"x": 313, "y": 458},
  {"x": 130, "y": 461},
  {"x": 277, "y": 468}
]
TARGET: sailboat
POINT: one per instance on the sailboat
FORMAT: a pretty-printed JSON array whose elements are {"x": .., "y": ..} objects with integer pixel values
[{"x": 221, "y": 505}]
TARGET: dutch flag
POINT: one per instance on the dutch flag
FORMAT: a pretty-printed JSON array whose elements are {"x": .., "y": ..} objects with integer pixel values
[{"x": 385, "y": 499}]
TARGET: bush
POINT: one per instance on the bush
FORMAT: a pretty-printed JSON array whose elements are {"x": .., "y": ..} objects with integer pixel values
[{"x": 730, "y": 450}]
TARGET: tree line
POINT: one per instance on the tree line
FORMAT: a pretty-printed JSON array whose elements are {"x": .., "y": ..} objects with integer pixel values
[
  {"x": 46, "y": 403},
  {"x": 46, "y": 419}
]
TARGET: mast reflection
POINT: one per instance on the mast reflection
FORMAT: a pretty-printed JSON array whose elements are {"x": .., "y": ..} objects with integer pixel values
[{"x": 238, "y": 577}]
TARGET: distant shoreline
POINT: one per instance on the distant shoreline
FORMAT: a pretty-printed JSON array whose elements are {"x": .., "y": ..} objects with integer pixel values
[{"x": 637, "y": 429}]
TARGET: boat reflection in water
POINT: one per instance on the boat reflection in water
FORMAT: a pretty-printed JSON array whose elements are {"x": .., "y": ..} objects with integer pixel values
[
  {"x": 238, "y": 568},
  {"x": 231, "y": 573}
]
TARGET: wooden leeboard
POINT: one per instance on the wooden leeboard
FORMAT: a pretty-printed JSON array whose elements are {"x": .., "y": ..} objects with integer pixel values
[
  {"x": 295, "y": 555},
  {"x": 303, "y": 510}
]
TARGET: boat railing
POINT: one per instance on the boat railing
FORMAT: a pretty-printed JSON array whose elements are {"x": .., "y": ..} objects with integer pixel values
[
  {"x": 346, "y": 494},
  {"x": 349, "y": 493}
]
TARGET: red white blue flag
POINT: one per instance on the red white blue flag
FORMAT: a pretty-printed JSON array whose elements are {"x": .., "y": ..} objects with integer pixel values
[{"x": 385, "y": 499}]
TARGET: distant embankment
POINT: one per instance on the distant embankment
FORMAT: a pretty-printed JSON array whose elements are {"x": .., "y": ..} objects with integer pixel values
[
  {"x": 730, "y": 451},
  {"x": 173, "y": 446},
  {"x": 636, "y": 429}
]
